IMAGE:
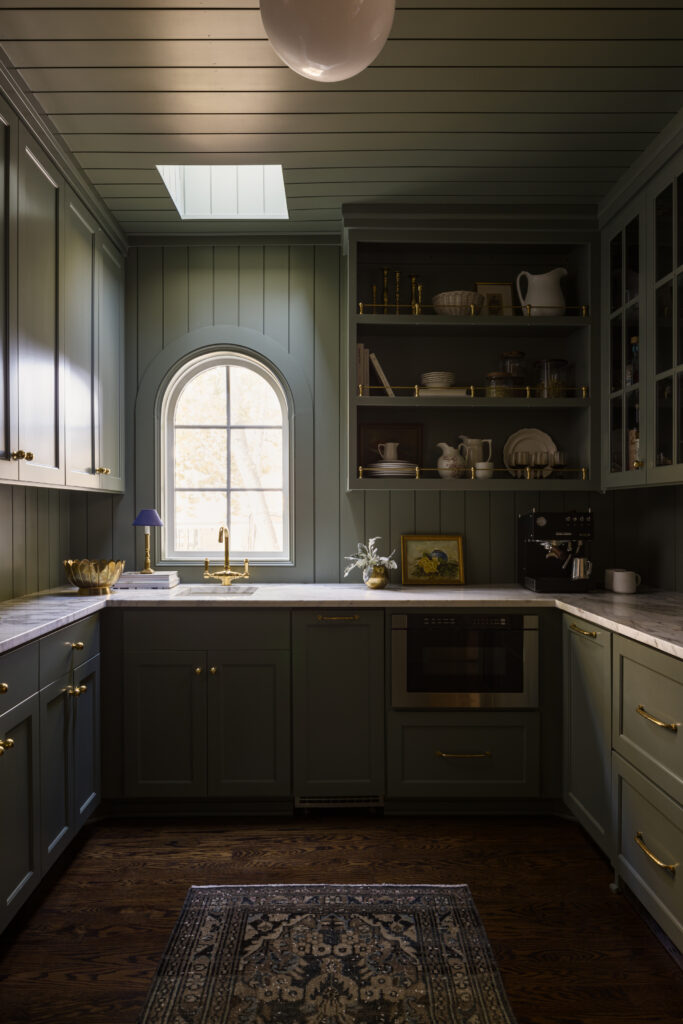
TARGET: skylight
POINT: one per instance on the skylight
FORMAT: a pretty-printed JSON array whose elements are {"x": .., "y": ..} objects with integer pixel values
[{"x": 226, "y": 191}]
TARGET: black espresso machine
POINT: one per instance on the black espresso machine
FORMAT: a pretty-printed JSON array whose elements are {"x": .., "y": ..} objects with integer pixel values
[{"x": 554, "y": 549}]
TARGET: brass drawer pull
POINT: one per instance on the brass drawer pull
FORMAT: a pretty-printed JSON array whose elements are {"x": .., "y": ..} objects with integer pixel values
[
  {"x": 671, "y": 868},
  {"x": 78, "y": 690},
  {"x": 198, "y": 670},
  {"x": 6, "y": 744},
  {"x": 483, "y": 753},
  {"x": 338, "y": 618},
  {"x": 4, "y": 687},
  {"x": 77, "y": 646},
  {"x": 671, "y": 726},
  {"x": 213, "y": 670},
  {"x": 583, "y": 632}
]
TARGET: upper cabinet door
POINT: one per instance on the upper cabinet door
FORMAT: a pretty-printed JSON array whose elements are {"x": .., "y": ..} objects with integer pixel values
[
  {"x": 79, "y": 344},
  {"x": 40, "y": 354},
  {"x": 9, "y": 467},
  {"x": 108, "y": 391}
]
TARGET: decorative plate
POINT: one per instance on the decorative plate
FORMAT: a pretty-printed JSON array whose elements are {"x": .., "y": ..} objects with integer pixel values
[{"x": 529, "y": 439}]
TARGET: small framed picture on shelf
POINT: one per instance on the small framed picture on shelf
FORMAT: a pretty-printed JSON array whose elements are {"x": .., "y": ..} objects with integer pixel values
[
  {"x": 497, "y": 298},
  {"x": 399, "y": 442},
  {"x": 432, "y": 559}
]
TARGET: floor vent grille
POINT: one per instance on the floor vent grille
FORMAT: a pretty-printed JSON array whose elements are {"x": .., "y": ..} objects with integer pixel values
[{"x": 338, "y": 801}]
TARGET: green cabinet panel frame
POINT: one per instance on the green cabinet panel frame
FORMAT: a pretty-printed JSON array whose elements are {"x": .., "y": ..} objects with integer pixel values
[{"x": 20, "y": 868}]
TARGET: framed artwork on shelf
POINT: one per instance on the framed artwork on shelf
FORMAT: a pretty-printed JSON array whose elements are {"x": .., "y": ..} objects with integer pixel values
[
  {"x": 432, "y": 559},
  {"x": 404, "y": 440},
  {"x": 497, "y": 298}
]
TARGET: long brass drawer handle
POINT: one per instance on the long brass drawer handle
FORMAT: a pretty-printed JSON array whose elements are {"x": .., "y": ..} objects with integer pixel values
[
  {"x": 671, "y": 868},
  {"x": 4, "y": 687},
  {"x": 671, "y": 726},
  {"x": 583, "y": 632},
  {"x": 483, "y": 753},
  {"x": 6, "y": 744},
  {"x": 338, "y": 618}
]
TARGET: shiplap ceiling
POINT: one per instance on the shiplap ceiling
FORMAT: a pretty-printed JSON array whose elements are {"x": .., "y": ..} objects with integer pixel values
[{"x": 476, "y": 101}]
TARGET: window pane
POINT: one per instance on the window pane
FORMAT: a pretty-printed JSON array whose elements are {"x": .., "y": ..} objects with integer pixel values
[
  {"x": 201, "y": 457},
  {"x": 633, "y": 458},
  {"x": 664, "y": 436},
  {"x": 664, "y": 326},
  {"x": 256, "y": 521},
  {"x": 616, "y": 350},
  {"x": 616, "y": 436},
  {"x": 203, "y": 400},
  {"x": 632, "y": 260},
  {"x": 256, "y": 458},
  {"x": 664, "y": 231},
  {"x": 198, "y": 515},
  {"x": 615, "y": 272},
  {"x": 252, "y": 399}
]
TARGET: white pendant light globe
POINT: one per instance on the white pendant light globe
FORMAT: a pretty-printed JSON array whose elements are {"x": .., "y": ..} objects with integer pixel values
[{"x": 327, "y": 40}]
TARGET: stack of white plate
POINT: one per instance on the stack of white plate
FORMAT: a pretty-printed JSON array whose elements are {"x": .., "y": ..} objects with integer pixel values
[
  {"x": 437, "y": 379},
  {"x": 398, "y": 467}
]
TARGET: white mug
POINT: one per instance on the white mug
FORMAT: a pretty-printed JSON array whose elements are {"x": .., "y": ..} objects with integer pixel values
[
  {"x": 622, "y": 581},
  {"x": 483, "y": 470},
  {"x": 388, "y": 450}
]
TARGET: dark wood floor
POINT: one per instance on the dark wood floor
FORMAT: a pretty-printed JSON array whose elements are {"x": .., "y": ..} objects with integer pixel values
[{"x": 569, "y": 951}]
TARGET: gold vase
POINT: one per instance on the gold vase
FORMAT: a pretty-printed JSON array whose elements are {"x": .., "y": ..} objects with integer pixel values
[{"x": 375, "y": 576}]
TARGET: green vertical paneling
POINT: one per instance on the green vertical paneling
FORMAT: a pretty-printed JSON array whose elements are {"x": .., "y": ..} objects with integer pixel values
[
  {"x": 150, "y": 307},
  {"x": 43, "y": 539},
  {"x": 276, "y": 293},
  {"x": 250, "y": 285},
  {"x": 326, "y": 413},
  {"x": 427, "y": 512},
  {"x": 78, "y": 526},
  {"x": 301, "y": 303},
  {"x": 402, "y": 520},
  {"x": 200, "y": 286},
  {"x": 175, "y": 292},
  {"x": 34, "y": 524},
  {"x": 225, "y": 284},
  {"x": 503, "y": 538},
  {"x": 477, "y": 542},
  {"x": 100, "y": 526},
  {"x": 123, "y": 506},
  {"x": 351, "y": 524},
  {"x": 377, "y": 524},
  {"x": 453, "y": 512},
  {"x": 19, "y": 541},
  {"x": 55, "y": 549},
  {"x": 31, "y": 581},
  {"x": 7, "y": 543}
]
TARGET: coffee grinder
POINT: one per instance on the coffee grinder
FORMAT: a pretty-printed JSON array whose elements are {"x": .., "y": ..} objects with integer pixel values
[{"x": 553, "y": 551}]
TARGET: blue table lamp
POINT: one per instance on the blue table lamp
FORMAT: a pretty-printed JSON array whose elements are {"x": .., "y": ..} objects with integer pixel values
[{"x": 147, "y": 517}]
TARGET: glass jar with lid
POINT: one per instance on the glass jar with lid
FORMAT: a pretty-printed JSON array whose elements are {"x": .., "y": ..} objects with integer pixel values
[
  {"x": 513, "y": 363},
  {"x": 499, "y": 384},
  {"x": 552, "y": 378}
]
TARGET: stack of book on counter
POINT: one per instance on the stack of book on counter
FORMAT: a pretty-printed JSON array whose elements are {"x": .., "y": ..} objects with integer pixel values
[{"x": 148, "y": 581}]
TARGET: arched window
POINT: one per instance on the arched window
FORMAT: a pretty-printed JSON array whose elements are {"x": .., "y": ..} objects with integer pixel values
[{"x": 225, "y": 460}]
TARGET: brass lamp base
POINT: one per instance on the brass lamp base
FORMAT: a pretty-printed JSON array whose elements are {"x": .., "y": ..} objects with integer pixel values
[{"x": 148, "y": 562}]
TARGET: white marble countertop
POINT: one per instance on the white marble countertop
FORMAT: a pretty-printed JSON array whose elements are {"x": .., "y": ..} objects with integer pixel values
[{"x": 654, "y": 618}]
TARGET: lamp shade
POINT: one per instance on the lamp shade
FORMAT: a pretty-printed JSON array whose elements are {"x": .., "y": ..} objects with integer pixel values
[
  {"x": 327, "y": 40},
  {"x": 147, "y": 517}
]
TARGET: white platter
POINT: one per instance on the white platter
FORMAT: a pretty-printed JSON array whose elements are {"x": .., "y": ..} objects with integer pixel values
[{"x": 529, "y": 439}]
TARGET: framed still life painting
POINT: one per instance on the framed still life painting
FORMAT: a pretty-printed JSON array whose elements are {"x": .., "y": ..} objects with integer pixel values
[
  {"x": 497, "y": 298},
  {"x": 432, "y": 559}
]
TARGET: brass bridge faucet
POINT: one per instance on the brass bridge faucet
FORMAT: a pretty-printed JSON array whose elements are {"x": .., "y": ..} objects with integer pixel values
[{"x": 226, "y": 575}]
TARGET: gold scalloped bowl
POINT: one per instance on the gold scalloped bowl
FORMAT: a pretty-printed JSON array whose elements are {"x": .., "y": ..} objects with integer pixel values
[{"x": 93, "y": 577}]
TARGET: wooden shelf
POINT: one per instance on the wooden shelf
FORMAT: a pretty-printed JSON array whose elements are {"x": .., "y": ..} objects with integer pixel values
[
  {"x": 551, "y": 483},
  {"x": 468, "y": 322},
  {"x": 384, "y": 402}
]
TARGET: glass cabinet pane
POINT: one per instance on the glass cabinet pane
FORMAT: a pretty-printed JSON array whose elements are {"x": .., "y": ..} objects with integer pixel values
[
  {"x": 664, "y": 428},
  {"x": 664, "y": 232},
  {"x": 664, "y": 300},
  {"x": 616, "y": 354},
  {"x": 679, "y": 229},
  {"x": 616, "y": 464},
  {"x": 632, "y": 346},
  {"x": 679, "y": 320},
  {"x": 632, "y": 261},
  {"x": 679, "y": 417},
  {"x": 615, "y": 272},
  {"x": 633, "y": 431}
]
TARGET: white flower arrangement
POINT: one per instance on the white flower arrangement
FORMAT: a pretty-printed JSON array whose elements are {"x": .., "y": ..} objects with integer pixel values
[{"x": 368, "y": 556}]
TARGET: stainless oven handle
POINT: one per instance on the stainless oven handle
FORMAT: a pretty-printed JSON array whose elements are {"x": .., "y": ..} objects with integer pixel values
[{"x": 483, "y": 753}]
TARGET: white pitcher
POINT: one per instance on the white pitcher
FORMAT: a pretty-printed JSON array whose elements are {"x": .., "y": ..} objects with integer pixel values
[
  {"x": 472, "y": 448},
  {"x": 450, "y": 463},
  {"x": 543, "y": 296}
]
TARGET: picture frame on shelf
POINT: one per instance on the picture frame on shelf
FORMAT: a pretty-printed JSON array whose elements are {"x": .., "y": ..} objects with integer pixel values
[
  {"x": 497, "y": 298},
  {"x": 408, "y": 436},
  {"x": 432, "y": 559}
]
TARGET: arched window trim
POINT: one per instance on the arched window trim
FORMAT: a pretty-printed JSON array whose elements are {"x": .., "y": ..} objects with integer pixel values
[{"x": 182, "y": 373}]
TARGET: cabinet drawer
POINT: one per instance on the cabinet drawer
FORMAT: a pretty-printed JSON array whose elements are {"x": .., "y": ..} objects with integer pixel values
[
  {"x": 57, "y": 651},
  {"x": 18, "y": 676},
  {"x": 647, "y": 816},
  {"x": 468, "y": 754},
  {"x": 184, "y": 629},
  {"x": 649, "y": 683}
]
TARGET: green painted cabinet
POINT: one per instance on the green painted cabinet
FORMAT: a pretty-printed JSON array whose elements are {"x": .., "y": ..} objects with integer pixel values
[
  {"x": 587, "y": 652},
  {"x": 20, "y": 867},
  {"x": 108, "y": 396},
  {"x": 9, "y": 128},
  {"x": 69, "y": 756},
  {"x": 338, "y": 703}
]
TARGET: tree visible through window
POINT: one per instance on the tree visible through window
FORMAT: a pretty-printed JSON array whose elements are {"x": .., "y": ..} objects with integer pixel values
[{"x": 226, "y": 445}]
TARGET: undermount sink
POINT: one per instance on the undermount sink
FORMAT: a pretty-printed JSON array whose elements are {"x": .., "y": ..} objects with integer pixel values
[{"x": 215, "y": 590}]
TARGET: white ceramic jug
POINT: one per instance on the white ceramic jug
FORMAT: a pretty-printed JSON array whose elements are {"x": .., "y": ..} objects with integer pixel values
[
  {"x": 473, "y": 449},
  {"x": 388, "y": 450},
  {"x": 543, "y": 296},
  {"x": 450, "y": 463}
]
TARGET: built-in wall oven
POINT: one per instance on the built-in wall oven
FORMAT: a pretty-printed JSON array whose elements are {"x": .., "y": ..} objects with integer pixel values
[{"x": 464, "y": 661}]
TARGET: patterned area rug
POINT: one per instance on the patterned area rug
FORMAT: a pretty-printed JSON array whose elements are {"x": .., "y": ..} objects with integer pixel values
[{"x": 328, "y": 954}]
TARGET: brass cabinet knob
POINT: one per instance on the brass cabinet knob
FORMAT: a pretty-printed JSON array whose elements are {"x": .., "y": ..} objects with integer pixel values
[
  {"x": 213, "y": 670},
  {"x": 104, "y": 470},
  {"x": 4, "y": 687},
  {"x": 637, "y": 464},
  {"x": 6, "y": 744},
  {"x": 77, "y": 646},
  {"x": 78, "y": 690},
  {"x": 19, "y": 454},
  {"x": 29, "y": 456},
  {"x": 198, "y": 670}
]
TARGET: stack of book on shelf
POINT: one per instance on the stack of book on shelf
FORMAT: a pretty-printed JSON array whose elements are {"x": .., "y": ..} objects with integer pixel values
[
  {"x": 364, "y": 360},
  {"x": 148, "y": 581}
]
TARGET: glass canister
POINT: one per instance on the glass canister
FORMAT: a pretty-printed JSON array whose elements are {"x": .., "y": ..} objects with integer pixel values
[
  {"x": 513, "y": 363},
  {"x": 499, "y": 384},
  {"x": 552, "y": 378}
]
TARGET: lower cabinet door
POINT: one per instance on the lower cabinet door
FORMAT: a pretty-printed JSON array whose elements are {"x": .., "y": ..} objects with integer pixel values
[
  {"x": 19, "y": 807},
  {"x": 56, "y": 771},
  {"x": 587, "y": 653},
  {"x": 86, "y": 741},
  {"x": 249, "y": 724},
  {"x": 443, "y": 754},
  {"x": 165, "y": 724}
]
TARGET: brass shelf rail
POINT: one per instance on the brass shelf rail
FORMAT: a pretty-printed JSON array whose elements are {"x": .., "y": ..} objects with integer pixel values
[
  {"x": 518, "y": 472},
  {"x": 476, "y": 391},
  {"x": 418, "y": 308}
]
